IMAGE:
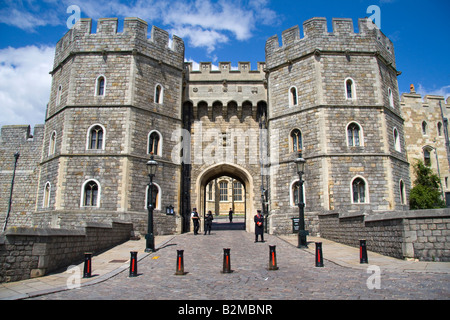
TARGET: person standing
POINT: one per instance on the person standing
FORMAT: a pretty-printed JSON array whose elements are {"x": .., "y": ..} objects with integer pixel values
[
  {"x": 196, "y": 220},
  {"x": 208, "y": 222},
  {"x": 230, "y": 215},
  {"x": 259, "y": 226}
]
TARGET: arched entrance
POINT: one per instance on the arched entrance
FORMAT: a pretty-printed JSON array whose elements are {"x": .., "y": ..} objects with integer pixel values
[{"x": 229, "y": 170}]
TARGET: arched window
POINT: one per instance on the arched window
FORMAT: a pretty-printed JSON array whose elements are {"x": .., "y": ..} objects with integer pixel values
[
  {"x": 294, "y": 193},
  {"x": 402, "y": 192},
  {"x": 237, "y": 191},
  {"x": 155, "y": 143},
  {"x": 159, "y": 94},
  {"x": 391, "y": 98},
  {"x": 96, "y": 137},
  {"x": 52, "y": 144},
  {"x": 354, "y": 135},
  {"x": 91, "y": 194},
  {"x": 223, "y": 188},
  {"x": 439, "y": 129},
  {"x": 359, "y": 190},
  {"x": 293, "y": 96},
  {"x": 424, "y": 128},
  {"x": 46, "y": 199},
  {"x": 100, "y": 86},
  {"x": 397, "y": 141},
  {"x": 58, "y": 95},
  {"x": 296, "y": 140},
  {"x": 427, "y": 157},
  {"x": 350, "y": 92},
  {"x": 156, "y": 196}
]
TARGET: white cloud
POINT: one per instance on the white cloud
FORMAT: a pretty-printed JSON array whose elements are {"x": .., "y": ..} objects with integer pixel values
[
  {"x": 25, "y": 84},
  {"x": 443, "y": 91}
]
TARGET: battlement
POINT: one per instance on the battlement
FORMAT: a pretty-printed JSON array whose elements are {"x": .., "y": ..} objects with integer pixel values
[
  {"x": 225, "y": 72},
  {"x": 21, "y": 133},
  {"x": 133, "y": 38},
  {"x": 317, "y": 39}
]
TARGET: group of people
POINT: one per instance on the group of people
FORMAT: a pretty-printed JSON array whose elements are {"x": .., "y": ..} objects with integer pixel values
[{"x": 258, "y": 219}]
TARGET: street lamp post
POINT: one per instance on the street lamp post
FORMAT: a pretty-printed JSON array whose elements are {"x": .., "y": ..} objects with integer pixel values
[
  {"x": 302, "y": 233},
  {"x": 16, "y": 158},
  {"x": 150, "y": 237}
]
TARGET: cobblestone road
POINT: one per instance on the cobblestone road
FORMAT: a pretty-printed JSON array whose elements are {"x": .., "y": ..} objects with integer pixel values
[{"x": 297, "y": 277}]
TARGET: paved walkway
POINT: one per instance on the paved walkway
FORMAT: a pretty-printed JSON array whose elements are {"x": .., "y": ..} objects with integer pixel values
[{"x": 342, "y": 277}]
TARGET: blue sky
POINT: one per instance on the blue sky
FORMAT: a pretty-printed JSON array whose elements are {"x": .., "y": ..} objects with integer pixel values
[{"x": 219, "y": 30}]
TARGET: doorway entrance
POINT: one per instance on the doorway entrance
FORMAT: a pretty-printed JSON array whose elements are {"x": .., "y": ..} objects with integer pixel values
[{"x": 221, "y": 187}]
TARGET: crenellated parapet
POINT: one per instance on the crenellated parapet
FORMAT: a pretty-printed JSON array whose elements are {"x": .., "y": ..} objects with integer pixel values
[
  {"x": 317, "y": 39},
  {"x": 225, "y": 71},
  {"x": 133, "y": 39}
]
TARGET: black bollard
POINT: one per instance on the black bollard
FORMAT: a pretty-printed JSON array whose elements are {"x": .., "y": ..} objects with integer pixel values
[
  {"x": 87, "y": 265},
  {"x": 226, "y": 261},
  {"x": 133, "y": 264},
  {"x": 180, "y": 263},
  {"x": 363, "y": 252},
  {"x": 272, "y": 258},
  {"x": 319, "y": 255}
]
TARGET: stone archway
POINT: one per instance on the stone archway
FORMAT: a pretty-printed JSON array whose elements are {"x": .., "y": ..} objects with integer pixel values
[{"x": 235, "y": 172}]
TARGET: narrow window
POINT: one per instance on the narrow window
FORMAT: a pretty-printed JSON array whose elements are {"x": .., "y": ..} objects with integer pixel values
[
  {"x": 359, "y": 191},
  {"x": 210, "y": 191},
  {"x": 154, "y": 197},
  {"x": 391, "y": 98},
  {"x": 427, "y": 157},
  {"x": 293, "y": 97},
  {"x": 153, "y": 143},
  {"x": 47, "y": 190},
  {"x": 101, "y": 86},
  {"x": 52, "y": 144},
  {"x": 223, "y": 187},
  {"x": 90, "y": 194},
  {"x": 350, "y": 89},
  {"x": 296, "y": 140},
  {"x": 402, "y": 193},
  {"x": 354, "y": 135},
  {"x": 96, "y": 138},
  {"x": 439, "y": 128},
  {"x": 397, "y": 140},
  {"x": 237, "y": 191},
  {"x": 295, "y": 191},
  {"x": 424, "y": 128},
  {"x": 158, "y": 94},
  {"x": 58, "y": 95}
]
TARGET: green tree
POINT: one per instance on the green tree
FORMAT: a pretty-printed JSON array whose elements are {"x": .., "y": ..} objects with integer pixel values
[{"x": 426, "y": 193}]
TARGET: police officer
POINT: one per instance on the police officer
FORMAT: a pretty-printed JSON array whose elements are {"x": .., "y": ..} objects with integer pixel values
[{"x": 196, "y": 220}]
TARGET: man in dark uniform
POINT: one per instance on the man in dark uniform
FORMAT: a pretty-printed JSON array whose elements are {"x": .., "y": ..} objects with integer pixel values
[
  {"x": 259, "y": 226},
  {"x": 195, "y": 219}
]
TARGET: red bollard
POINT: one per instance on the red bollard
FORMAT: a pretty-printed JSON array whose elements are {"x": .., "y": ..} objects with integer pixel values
[
  {"x": 226, "y": 261},
  {"x": 133, "y": 264},
  {"x": 87, "y": 265},
  {"x": 363, "y": 252},
  {"x": 272, "y": 258},
  {"x": 319, "y": 255},
  {"x": 180, "y": 263}
]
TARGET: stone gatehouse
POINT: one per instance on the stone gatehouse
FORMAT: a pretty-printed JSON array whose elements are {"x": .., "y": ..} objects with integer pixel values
[{"x": 118, "y": 97}]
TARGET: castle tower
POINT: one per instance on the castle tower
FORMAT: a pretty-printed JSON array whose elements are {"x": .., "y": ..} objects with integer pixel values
[
  {"x": 334, "y": 95},
  {"x": 115, "y": 99}
]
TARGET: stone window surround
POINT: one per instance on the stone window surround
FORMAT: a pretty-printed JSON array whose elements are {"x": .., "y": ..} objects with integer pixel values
[
  {"x": 83, "y": 195},
  {"x": 88, "y": 137}
]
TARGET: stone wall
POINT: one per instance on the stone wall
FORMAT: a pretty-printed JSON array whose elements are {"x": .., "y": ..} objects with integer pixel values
[
  {"x": 30, "y": 252},
  {"x": 421, "y": 234}
]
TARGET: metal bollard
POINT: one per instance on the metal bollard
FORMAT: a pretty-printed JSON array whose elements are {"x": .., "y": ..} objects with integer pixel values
[
  {"x": 363, "y": 252},
  {"x": 226, "y": 261},
  {"x": 319, "y": 255},
  {"x": 87, "y": 273},
  {"x": 272, "y": 258},
  {"x": 180, "y": 263},
  {"x": 133, "y": 264}
]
